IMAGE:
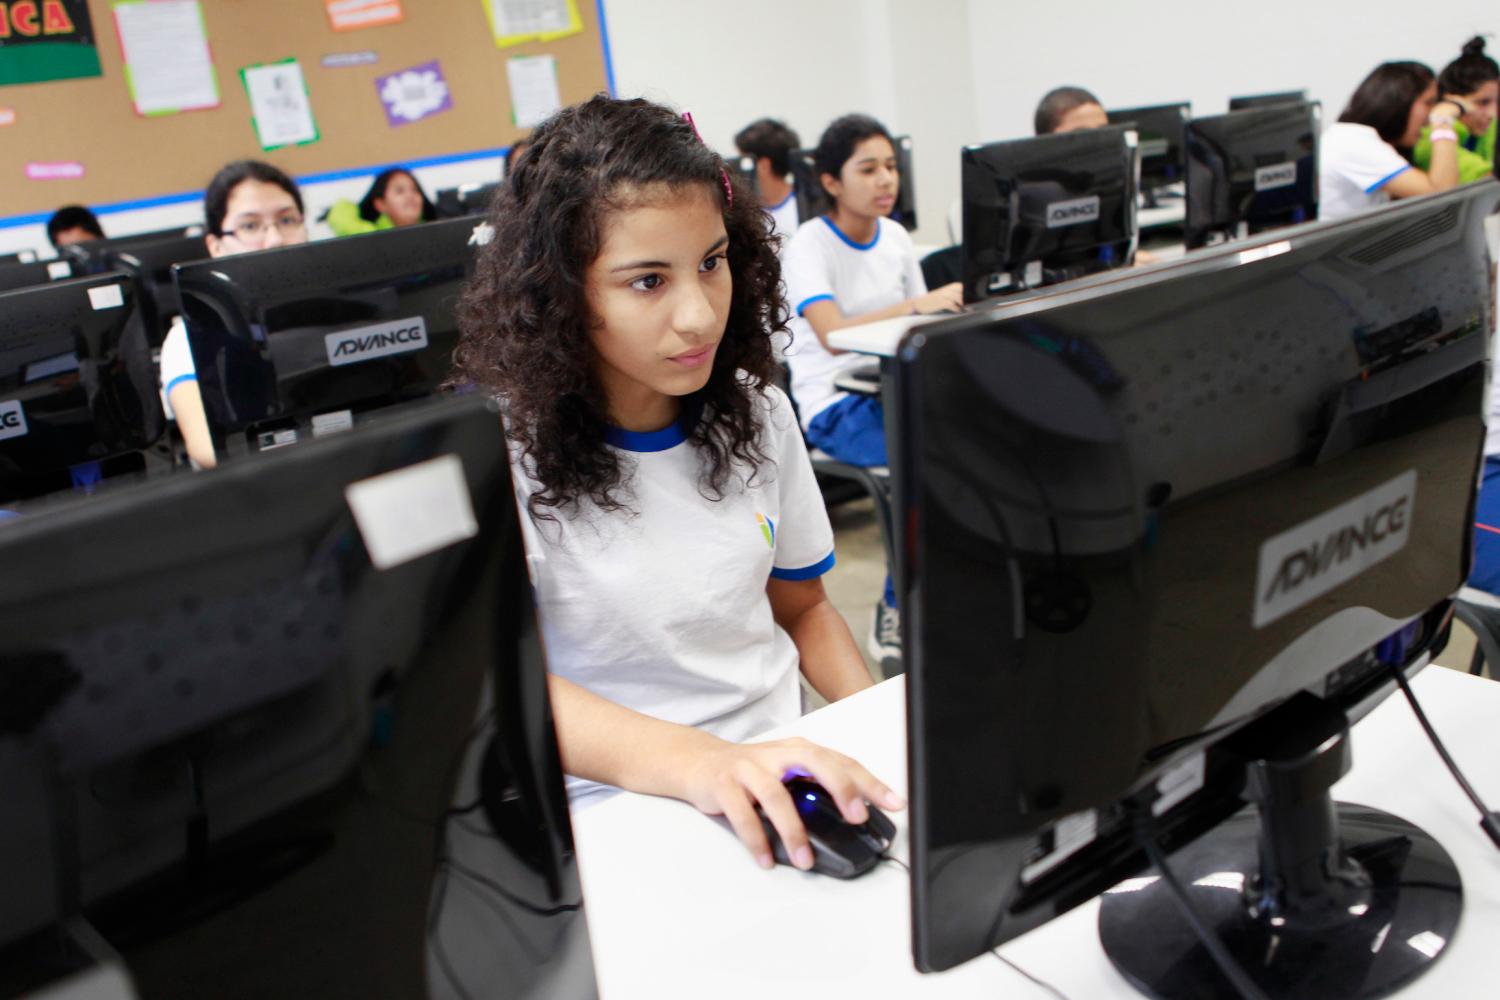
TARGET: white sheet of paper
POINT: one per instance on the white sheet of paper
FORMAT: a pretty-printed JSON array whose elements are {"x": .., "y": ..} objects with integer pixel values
[
  {"x": 166, "y": 50},
  {"x": 411, "y": 512},
  {"x": 534, "y": 96},
  {"x": 278, "y": 99},
  {"x": 530, "y": 17}
]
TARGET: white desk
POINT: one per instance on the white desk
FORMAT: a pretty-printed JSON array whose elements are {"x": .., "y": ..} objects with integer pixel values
[
  {"x": 1172, "y": 212},
  {"x": 676, "y": 908}
]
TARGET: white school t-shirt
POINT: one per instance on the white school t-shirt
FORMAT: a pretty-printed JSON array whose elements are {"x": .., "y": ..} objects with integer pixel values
[
  {"x": 820, "y": 264},
  {"x": 665, "y": 611},
  {"x": 176, "y": 363},
  {"x": 1354, "y": 166},
  {"x": 784, "y": 218}
]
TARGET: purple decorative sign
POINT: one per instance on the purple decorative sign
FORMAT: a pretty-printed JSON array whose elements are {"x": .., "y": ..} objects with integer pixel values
[{"x": 409, "y": 95}]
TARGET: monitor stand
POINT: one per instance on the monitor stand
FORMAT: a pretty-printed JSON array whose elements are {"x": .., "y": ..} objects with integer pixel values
[{"x": 1312, "y": 898}]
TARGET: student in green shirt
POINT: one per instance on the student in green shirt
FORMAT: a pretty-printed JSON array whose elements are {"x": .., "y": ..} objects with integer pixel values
[
  {"x": 394, "y": 199},
  {"x": 1472, "y": 82}
]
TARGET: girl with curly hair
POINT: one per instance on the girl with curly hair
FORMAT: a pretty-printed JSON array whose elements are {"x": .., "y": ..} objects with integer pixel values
[{"x": 623, "y": 313}]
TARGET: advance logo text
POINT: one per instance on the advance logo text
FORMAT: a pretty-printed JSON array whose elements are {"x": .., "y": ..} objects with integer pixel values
[
  {"x": 364, "y": 343},
  {"x": 1303, "y": 564},
  {"x": 1278, "y": 175},
  {"x": 1074, "y": 212},
  {"x": 12, "y": 419}
]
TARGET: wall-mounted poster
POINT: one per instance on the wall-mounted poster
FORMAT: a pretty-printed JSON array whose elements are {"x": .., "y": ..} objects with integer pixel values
[
  {"x": 44, "y": 40},
  {"x": 280, "y": 104}
]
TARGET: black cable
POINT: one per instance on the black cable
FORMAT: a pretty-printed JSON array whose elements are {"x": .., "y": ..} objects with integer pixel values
[
  {"x": 1489, "y": 821},
  {"x": 506, "y": 894},
  {"x": 435, "y": 939},
  {"x": 996, "y": 951},
  {"x": 1145, "y": 831},
  {"x": 1040, "y": 982}
]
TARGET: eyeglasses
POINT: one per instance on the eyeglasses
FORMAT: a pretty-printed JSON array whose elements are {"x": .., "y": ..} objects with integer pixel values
[{"x": 256, "y": 230}]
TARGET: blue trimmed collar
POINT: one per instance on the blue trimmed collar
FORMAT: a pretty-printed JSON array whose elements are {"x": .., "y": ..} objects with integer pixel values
[
  {"x": 665, "y": 439},
  {"x": 857, "y": 246},
  {"x": 791, "y": 193}
]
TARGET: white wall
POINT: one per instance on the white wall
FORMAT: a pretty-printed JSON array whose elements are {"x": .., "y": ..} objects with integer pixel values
[{"x": 954, "y": 72}]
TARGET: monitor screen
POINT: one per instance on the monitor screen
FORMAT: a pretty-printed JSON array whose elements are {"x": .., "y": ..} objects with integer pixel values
[
  {"x": 1046, "y": 209},
  {"x": 1250, "y": 171},
  {"x": 466, "y": 199},
  {"x": 294, "y": 339},
  {"x": 19, "y": 257},
  {"x": 271, "y": 736},
  {"x": 77, "y": 383},
  {"x": 26, "y": 275},
  {"x": 813, "y": 201},
  {"x": 1159, "y": 132},
  {"x": 1143, "y": 512},
  {"x": 98, "y": 255},
  {"x": 1267, "y": 100}
]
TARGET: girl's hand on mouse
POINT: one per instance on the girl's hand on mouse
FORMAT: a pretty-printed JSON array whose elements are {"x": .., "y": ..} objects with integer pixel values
[
  {"x": 949, "y": 297},
  {"x": 728, "y": 779}
]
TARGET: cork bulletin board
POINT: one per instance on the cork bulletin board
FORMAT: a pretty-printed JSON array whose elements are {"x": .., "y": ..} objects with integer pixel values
[{"x": 130, "y": 160}]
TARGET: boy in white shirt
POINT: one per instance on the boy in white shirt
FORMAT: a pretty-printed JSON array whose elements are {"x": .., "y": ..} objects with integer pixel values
[{"x": 772, "y": 144}]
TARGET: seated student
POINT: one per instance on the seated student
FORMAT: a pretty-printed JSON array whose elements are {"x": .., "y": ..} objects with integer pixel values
[
  {"x": 622, "y": 313},
  {"x": 1068, "y": 109},
  {"x": 73, "y": 224},
  {"x": 853, "y": 266},
  {"x": 249, "y": 205},
  {"x": 1471, "y": 83},
  {"x": 394, "y": 199},
  {"x": 772, "y": 144},
  {"x": 1364, "y": 156}
]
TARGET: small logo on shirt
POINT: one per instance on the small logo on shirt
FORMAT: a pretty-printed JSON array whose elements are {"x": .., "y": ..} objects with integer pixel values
[
  {"x": 1278, "y": 175},
  {"x": 12, "y": 419},
  {"x": 767, "y": 529}
]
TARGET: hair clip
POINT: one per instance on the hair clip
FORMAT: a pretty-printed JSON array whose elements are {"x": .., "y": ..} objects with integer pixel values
[{"x": 723, "y": 174}]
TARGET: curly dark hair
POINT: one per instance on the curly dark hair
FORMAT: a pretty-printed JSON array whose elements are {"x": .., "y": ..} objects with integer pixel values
[{"x": 524, "y": 319}]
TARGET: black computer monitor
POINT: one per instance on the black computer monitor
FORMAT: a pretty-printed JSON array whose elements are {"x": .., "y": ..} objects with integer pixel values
[
  {"x": 271, "y": 736},
  {"x": 813, "y": 201},
  {"x": 1159, "y": 132},
  {"x": 13, "y": 276},
  {"x": 305, "y": 338},
  {"x": 1248, "y": 101},
  {"x": 1046, "y": 209},
  {"x": 149, "y": 262},
  {"x": 1161, "y": 528},
  {"x": 77, "y": 384},
  {"x": 19, "y": 257},
  {"x": 466, "y": 199},
  {"x": 99, "y": 255},
  {"x": 1250, "y": 171}
]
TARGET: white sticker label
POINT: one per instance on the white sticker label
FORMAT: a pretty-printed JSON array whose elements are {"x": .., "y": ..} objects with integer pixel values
[
  {"x": 106, "y": 297},
  {"x": 1069, "y": 835},
  {"x": 1072, "y": 213},
  {"x": 1178, "y": 782},
  {"x": 276, "y": 439},
  {"x": 332, "y": 423},
  {"x": 414, "y": 511},
  {"x": 1278, "y": 175},
  {"x": 59, "y": 269},
  {"x": 366, "y": 342},
  {"x": 12, "y": 419},
  {"x": 26, "y": 257},
  {"x": 1153, "y": 147},
  {"x": 1303, "y": 564}
]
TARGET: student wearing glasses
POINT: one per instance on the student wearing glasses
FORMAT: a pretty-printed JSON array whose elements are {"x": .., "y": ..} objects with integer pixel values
[{"x": 248, "y": 206}]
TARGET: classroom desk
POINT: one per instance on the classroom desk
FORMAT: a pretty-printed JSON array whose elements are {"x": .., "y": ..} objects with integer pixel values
[
  {"x": 676, "y": 908},
  {"x": 1172, "y": 212}
]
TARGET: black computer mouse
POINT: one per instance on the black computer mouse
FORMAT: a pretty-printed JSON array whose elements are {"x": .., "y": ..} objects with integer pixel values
[{"x": 840, "y": 848}]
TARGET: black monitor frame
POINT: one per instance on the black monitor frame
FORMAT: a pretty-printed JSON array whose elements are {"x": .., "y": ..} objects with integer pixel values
[
  {"x": 37, "y": 272},
  {"x": 76, "y": 380},
  {"x": 1006, "y": 250},
  {"x": 1228, "y": 199},
  {"x": 465, "y": 200},
  {"x": 263, "y": 328},
  {"x": 99, "y": 255},
  {"x": 1271, "y": 100},
  {"x": 249, "y": 744},
  {"x": 991, "y": 901},
  {"x": 1158, "y": 129}
]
